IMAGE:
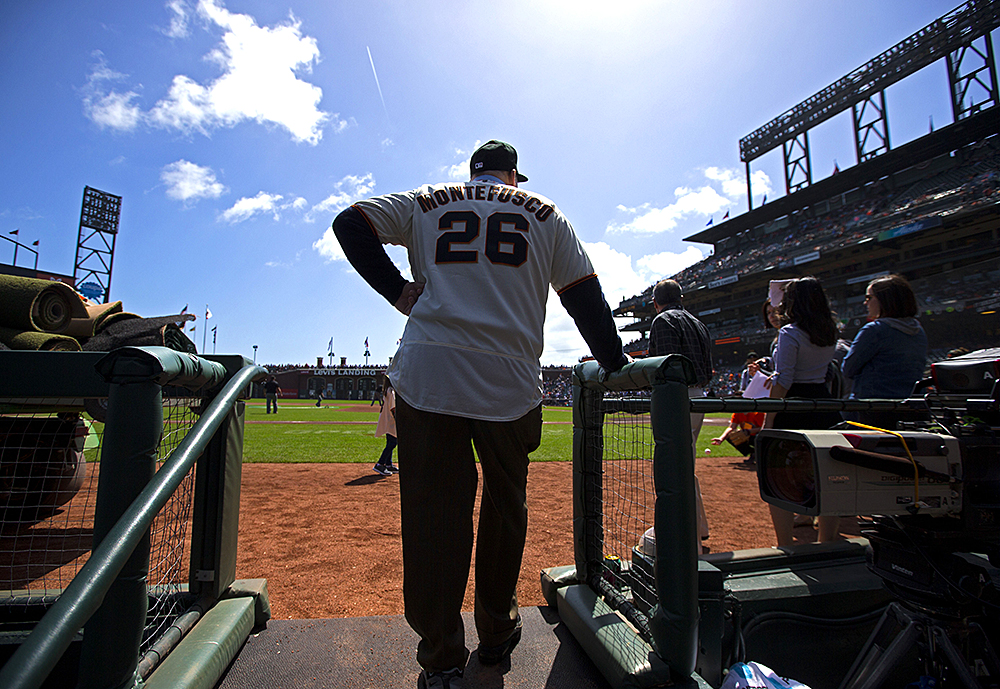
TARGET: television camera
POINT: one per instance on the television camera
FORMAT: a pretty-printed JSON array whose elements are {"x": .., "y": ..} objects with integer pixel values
[{"x": 929, "y": 493}]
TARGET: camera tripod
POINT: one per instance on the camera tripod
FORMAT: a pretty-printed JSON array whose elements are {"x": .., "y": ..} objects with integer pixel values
[{"x": 937, "y": 640}]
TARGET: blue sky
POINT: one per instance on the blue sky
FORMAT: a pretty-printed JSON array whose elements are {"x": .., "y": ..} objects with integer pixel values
[{"x": 236, "y": 130}]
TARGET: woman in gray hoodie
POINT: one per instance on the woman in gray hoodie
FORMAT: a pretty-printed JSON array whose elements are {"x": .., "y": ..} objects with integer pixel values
[{"x": 889, "y": 353}]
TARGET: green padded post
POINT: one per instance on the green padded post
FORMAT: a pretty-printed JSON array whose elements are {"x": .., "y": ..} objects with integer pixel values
[
  {"x": 110, "y": 651},
  {"x": 673, "y": 624},
  {"x": 215, "y": 523}
]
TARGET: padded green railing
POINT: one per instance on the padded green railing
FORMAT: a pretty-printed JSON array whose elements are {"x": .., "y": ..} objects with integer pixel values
[{"x": 134, "y": 375}]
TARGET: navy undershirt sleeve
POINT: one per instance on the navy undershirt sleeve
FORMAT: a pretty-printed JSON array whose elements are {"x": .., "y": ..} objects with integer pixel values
[
  {"x": 363, "y": 249},
  {"x": 586, "y": 304}
]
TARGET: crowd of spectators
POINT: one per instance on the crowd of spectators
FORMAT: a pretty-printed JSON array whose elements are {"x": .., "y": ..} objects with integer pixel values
[
  {"x": 557, "y": 390},
  {"x": 637, "y": 346},
  {"x": 278, "y": 368},
  {"x": 974, "y": 182}
]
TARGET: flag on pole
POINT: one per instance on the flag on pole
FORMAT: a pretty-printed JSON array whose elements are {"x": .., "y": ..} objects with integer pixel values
[
  {"x": 14, "y": 231},
  {"x": 708, "y": 224},
  {"x": 836, "y": 168},
  {"x": 208, "y": 314},
  {"x": 366, "y": 343},
  {"x": 184, "y": 310},
  {"x": 765, "y": 199},
  {"x": 35, "y": 243},
  {"x": 726, "y": 216},
  {"x": 329, "y": 348}
]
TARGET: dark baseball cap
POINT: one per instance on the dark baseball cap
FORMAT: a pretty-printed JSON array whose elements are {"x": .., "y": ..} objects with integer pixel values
[{"x": 495, "y": 155}]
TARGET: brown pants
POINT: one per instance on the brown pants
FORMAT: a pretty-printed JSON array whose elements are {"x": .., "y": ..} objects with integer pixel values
[{"x": 437, "y": 490}]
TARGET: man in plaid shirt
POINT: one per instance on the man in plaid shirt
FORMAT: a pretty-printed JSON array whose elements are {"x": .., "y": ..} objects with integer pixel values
[{"x": 675, "y": 331}]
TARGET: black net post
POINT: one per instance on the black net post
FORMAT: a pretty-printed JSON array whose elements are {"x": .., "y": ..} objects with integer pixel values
[{"x": 588, "y": 451}]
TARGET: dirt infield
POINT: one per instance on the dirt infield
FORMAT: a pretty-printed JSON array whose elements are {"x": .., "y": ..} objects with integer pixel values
[{"x": 327, "y": 536}]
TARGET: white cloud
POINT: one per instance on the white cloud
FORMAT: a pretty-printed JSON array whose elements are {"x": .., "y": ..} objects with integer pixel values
[
  {"x": 260, "y": 79},
  {"x": 261, "y": 70},
  {"x": 725, "y": 189},
  {"x": 460, "y": 170},
  {"x": 620, "y": 278},
  {"x": 345, "y": 192},
  {"x": 178, "y": 20},
  {"x": 328, "y": 247},
  {"x": 187, "y": 181},
  {"x": 263, "y": 202},
  {"x": 109, "y": 108},
  {"x": 761, "y": 183},
  {"x": 655, "y": 267},
  {"x": 188, "y": 107},
  {"x": 734, "y": 184}
]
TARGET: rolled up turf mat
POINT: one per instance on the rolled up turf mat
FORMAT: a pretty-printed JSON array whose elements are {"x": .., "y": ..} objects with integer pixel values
[
  {"x": 97, "y": 314},
  {"x": 112, "y": 318},
  {"x": 38, "y": 341},
  {"x": 174, "y": 337},
  {"x": 137, "y": 332},
  {"x": 33, "y": 304}
]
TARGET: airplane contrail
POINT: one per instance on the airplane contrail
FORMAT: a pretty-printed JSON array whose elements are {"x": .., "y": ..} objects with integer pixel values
[{"x": 377, "y": 85}]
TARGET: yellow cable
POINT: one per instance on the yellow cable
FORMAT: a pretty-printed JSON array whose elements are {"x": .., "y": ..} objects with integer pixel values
[{"x": 916, "y": 472}]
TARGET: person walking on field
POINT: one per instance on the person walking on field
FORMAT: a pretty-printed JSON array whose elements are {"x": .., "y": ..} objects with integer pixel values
[
  {"x": 676, "y": 331},
  {"x": 483, "y": 255},
  {"x": 387, "y": 427},
  {"x": 271, "y": 394}
]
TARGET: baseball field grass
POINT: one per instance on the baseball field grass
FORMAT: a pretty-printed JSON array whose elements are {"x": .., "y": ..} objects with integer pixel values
[{"x": 344, "y": 431}]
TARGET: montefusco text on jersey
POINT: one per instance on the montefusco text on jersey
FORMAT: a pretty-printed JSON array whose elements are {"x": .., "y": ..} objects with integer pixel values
[{"x": 485, "y": 192}]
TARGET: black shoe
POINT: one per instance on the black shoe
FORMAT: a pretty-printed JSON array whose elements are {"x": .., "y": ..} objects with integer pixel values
[
  {"x": 450, "y": 679},
  {"x": 493, "y": 655},
  {"x": 379, "y": 469}
]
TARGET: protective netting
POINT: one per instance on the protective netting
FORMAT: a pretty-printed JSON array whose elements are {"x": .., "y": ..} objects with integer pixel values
[
  {"x": 49, "y": 472},
  {"x": 627, "y": 506}
]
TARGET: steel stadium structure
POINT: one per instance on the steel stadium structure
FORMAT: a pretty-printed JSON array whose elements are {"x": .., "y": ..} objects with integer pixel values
[{"x": 927, "y": 209}]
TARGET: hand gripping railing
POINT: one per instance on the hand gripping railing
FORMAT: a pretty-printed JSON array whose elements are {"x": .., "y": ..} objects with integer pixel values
[{"x": 126, "y": 369}]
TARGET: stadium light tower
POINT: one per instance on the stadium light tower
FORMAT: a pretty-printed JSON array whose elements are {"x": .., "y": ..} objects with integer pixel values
[
  {"x": 95, "y": 243},
  {"x": 962, "y": 37}
]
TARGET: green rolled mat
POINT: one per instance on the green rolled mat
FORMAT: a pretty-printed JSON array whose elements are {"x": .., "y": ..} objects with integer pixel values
[
  {"x": 32, "y": 304},
  {"x": 38, "y": 341}
]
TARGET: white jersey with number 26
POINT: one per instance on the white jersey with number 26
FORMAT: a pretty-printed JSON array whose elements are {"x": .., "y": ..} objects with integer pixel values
[{"x": 487, "y": 254}]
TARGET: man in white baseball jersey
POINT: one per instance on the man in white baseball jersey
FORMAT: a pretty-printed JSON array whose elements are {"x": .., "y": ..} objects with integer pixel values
[{"x": 467, "y": 373}]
